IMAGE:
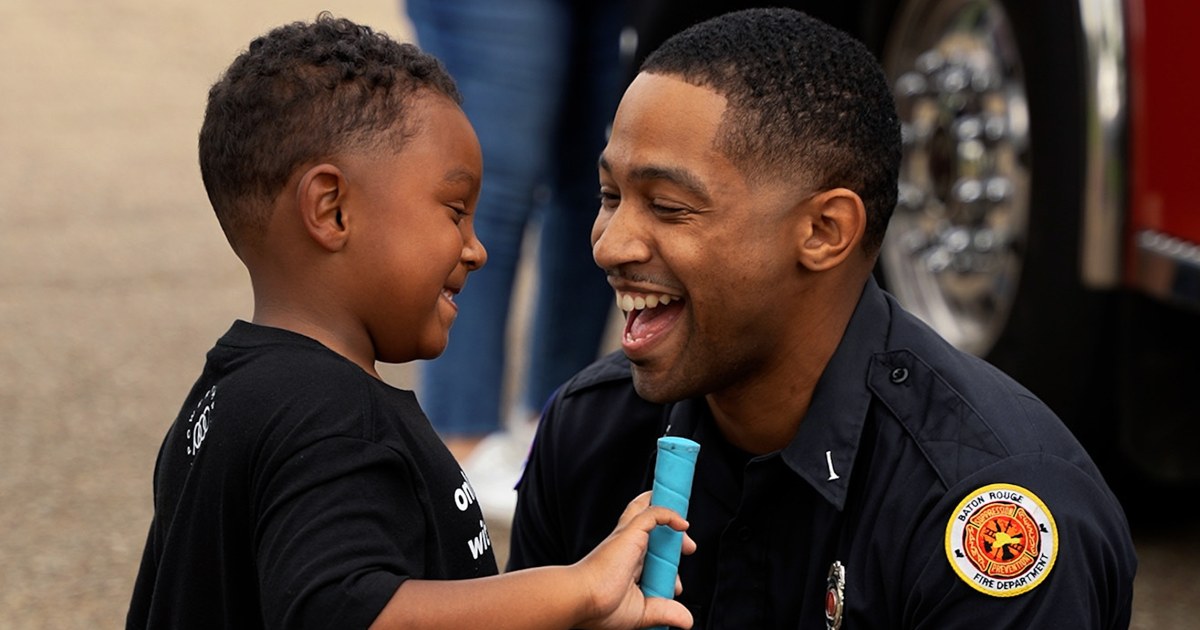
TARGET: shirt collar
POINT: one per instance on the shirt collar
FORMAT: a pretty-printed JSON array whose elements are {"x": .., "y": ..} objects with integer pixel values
[{"x": 825, "y": 447}]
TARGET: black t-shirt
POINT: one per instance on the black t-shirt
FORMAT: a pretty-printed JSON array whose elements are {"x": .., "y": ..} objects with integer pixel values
[
  {"x": 924, "y": 489},
  {"x": 294, "y": 490}
]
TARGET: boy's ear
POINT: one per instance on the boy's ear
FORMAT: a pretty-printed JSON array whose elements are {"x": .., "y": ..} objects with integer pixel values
[
  {"x": 321, "y": 196},
  {"x": 831, "y": 226}
]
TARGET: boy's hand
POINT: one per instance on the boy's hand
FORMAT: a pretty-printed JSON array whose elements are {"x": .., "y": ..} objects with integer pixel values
[{"x": 612, "y": 570}]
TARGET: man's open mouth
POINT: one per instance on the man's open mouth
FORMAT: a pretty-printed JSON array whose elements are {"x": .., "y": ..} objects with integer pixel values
[{"x": 647, "y": 315}]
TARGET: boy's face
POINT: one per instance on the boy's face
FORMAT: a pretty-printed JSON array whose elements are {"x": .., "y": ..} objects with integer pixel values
[
  {"x": 679, "y": 219},
  {"x": 415, "y": 231}
]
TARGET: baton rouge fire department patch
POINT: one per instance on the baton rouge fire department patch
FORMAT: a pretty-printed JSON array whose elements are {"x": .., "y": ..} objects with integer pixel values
[{"x": 1002, "y": 540}]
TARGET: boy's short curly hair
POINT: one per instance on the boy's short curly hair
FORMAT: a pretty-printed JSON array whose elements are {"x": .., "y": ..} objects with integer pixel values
[
  {"x": 304, "y": 92},
  {"x": 806, "y": 102}
]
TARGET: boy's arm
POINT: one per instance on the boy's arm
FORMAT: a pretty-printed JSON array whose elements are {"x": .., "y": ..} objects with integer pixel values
[{"x": 599, "y": 591}]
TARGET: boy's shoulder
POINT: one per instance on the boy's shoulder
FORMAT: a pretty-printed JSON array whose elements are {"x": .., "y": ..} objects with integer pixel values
[
  {"x": 283, "y": 382},
  {"x": 281, "y": 356}
]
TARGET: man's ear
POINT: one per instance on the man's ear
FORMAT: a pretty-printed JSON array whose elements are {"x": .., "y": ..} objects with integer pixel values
[
  {"x": 831, "y": 227},
  {"x": 321, "y": 195}
]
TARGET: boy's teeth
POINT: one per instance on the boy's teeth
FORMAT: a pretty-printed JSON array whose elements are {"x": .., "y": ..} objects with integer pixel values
[{"x": 628, "y": 303}]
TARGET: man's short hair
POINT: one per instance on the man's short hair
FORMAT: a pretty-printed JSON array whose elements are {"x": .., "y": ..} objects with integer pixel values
[
  {"x": 302, "y": 93},
  {"x": 806, "y": 102}
]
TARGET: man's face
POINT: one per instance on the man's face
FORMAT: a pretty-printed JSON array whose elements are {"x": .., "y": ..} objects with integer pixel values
[
  {"x": 702, "y": 260},
  {"x": 415, "y": 212}
]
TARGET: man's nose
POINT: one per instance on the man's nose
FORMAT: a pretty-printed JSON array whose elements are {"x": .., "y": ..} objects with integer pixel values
[{"x": 619, "y": 237}]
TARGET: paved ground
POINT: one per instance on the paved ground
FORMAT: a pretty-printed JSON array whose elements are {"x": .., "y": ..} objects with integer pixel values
[{"x": 114, "y": 279}]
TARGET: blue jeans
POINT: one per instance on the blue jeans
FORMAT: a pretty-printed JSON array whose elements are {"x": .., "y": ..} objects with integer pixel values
[{"x": 540, "y": 81}]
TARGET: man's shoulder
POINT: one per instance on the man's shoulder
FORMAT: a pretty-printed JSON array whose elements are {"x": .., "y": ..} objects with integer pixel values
[
  {"x": 954, "y": 403},
  {"x": 979, "y": 444},
  {"x": 611, "y": 370},
  {"x": 600, "y": 403},
  {"x": 599, "y": 409}
]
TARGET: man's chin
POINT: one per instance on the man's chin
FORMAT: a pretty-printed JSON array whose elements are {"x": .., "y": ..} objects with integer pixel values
[{"x": 655, "y": 387}]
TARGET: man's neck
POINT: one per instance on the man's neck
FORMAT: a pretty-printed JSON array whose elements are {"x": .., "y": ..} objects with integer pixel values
[
  {"x": 763, "y": 413},
  {"x": 764, "y": 416}
]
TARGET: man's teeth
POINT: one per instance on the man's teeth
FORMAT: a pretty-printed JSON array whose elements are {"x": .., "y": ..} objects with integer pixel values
[{"x": 627, "y": 302}]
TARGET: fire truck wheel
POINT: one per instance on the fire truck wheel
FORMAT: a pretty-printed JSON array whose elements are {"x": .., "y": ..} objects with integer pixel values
[{"x": 984, "y": 242}]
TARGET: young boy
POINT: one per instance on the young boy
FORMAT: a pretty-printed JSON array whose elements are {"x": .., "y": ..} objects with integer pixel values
[{"x": 295, "y": 488}]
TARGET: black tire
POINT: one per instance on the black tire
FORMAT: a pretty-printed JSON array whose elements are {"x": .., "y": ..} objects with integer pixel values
[{"x": 1049, "y": 335}]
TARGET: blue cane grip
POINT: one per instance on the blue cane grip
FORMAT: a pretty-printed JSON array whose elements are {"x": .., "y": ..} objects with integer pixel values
[{"x": 673, "y": 473}]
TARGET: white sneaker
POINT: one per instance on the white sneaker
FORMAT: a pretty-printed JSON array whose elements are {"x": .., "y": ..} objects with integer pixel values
[{"x": 494, "y": 468}]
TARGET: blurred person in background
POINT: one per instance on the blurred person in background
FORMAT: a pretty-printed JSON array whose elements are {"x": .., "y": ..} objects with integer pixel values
[
  {"x": 540, "y": 81},
  {"x": 656, "y": 20}
]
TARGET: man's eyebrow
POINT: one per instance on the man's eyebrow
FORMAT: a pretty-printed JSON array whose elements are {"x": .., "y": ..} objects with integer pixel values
[{"x": 683, "y": 178}]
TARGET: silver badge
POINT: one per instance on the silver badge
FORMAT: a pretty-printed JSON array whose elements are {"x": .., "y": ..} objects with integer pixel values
[{"x": 835, "y": 588}]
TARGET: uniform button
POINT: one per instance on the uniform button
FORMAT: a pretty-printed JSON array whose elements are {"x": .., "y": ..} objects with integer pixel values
[{"x": 899, "y": 375}]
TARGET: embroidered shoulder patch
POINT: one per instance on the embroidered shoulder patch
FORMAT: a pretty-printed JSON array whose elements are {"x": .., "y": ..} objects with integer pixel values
[{"x": 1002, "y": 540}]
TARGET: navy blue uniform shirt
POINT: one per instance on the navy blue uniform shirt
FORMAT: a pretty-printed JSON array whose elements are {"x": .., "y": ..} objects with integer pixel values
[{"x": 924, "y": 489}]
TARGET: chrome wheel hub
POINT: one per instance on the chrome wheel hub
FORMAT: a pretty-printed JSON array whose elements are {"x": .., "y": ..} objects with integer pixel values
[{"x": 953, "y": 251}]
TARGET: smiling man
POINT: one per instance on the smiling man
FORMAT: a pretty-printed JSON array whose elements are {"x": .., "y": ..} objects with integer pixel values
[{"x": 855, "y": 468}]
